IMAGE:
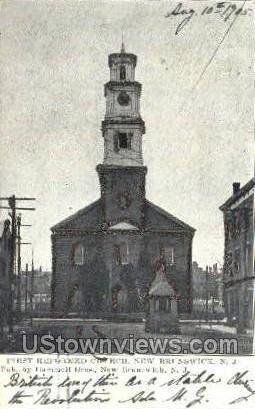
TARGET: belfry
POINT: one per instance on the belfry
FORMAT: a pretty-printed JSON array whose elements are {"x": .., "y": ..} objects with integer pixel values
[{"x": 105, "y": 256}]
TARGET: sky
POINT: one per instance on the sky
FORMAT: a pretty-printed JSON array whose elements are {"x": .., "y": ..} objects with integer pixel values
[{"x": 199, "y": 133}]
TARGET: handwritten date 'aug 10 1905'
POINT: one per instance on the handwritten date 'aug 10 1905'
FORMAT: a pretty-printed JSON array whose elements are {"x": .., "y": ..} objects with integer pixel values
[{"x": 225, "y": 10}]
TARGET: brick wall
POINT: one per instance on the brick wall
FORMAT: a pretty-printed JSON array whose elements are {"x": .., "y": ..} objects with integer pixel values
[{"x": 101, "y": 271}]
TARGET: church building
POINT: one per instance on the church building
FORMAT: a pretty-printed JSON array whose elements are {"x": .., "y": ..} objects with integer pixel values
[{"x": 106, "y": 256}]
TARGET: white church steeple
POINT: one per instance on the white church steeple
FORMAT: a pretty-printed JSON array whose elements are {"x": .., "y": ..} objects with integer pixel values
[{"x": 123, "y": 127}]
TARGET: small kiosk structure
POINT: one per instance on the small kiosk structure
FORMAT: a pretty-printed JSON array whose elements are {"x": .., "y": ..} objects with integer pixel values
[{"x": 163, "y": 315}]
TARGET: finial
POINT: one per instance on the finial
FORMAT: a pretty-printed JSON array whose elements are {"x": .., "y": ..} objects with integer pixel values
[
  {"x": 122, "y": 45},
  {"x": 32, "y": 263}
]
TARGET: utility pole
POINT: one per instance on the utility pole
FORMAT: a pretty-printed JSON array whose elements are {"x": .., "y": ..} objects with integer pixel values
[
  {"x": 206, "y": 294},
  {"x": 18, "y": 305},
  {"x": 12, "y": 204},
  {"x": 11, "y": 200},
  {"x": 19, "y": 243},
  {"x": 32, "y": 289},
  {"x": 26, "y": 289}
]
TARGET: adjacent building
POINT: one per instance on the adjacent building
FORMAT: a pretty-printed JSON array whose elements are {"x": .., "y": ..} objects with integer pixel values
[
  {"x": 207, "y": 283},
  {"x": 35, "y": 291},
  {"x": 105, "y": 256},
  {"x": 5, "y": 284},
  {"x": 239, "y": 276},
  {"x": 207, "y": 292}
]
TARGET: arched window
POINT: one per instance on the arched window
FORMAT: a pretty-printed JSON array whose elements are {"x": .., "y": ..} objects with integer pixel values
[
  {"x": 122, "y": 72},
  {"x": 79, "y": 255},
  {"x": 168, "y": 254},
  {"x": 121, "y": 253}
]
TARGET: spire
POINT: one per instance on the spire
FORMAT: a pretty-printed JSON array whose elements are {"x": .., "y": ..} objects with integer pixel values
[{"x": 122, "y": 46}]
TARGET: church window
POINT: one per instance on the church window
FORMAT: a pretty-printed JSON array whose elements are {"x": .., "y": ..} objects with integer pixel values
[
  {"x": 79, "y": 255},
  {"x": 122, "y": 254},
  {"x": 169, "y": 255},
  {"x": 122, "y": 140},
  {"x": 122, "y": 72}
]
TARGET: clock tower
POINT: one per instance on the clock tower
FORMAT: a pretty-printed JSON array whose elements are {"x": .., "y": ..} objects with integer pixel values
[{"x": 122, "y": 174}]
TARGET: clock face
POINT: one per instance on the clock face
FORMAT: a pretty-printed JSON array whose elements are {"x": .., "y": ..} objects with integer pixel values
[
  {"x": 123, "y": 98},
  {"x": 124, "y": 200}
]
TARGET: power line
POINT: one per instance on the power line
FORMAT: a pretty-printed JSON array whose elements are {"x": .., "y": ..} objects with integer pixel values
[{"x": 15, "y": 247}]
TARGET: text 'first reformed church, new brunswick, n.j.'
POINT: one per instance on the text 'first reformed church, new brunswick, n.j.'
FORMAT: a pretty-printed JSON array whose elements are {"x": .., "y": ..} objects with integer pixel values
[{"x": 106, "y": 256}]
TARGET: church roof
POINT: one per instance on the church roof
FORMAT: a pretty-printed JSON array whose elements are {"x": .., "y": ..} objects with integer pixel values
[
  {"x": 157, "y": 218},
  {"x": 90, "y": 218},
  {"x": 160, "y": 286},
  {"x": 237, "y": 195}
]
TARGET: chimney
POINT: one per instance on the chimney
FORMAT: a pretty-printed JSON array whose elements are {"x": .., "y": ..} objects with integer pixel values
[{"x": 236, "y": 187}]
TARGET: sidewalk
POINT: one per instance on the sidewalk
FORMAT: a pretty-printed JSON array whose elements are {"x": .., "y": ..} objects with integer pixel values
[{"x": 92, "y": 328}]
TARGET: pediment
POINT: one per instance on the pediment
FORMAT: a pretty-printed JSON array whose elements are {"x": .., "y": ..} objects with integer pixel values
[
  {"x": 123, "y": 226},
  {"x": 88, "y": 218},
  {"x": 157, "y": 218}
]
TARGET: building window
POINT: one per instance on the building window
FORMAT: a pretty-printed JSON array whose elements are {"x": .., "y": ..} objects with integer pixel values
[
  {"x": 122, "y": 140},
  {"x": 233, "y": 224},
  {"x": 237, "y": 261},
  {"x": 169, "y": 255},
  {"x": 79, "y": 255},
  {"x": 122, "y": 72},
  {"x": 237, "y": 220},
  {"x": 248, "y": 258},
  {"x": 122, "y": 254},
  {"x": 229, "y": 230},
  {"x": 229, "y": 264},
  {"x": 247, "y": 219}
]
